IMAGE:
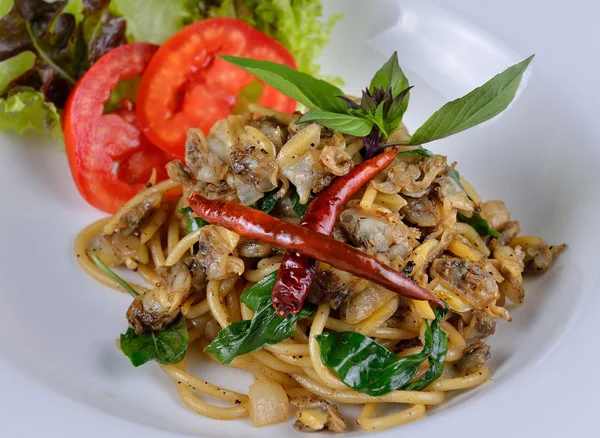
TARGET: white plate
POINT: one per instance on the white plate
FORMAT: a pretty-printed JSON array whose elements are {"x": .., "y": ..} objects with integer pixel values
[{"x": 61, "y": 375}]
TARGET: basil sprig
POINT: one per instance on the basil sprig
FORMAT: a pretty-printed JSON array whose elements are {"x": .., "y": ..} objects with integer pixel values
[
  {"x": 390, "y": 76},
  {"x": 366, "y": 366},
  {"x": 265, "y": 328},
  {"x": 167, "y": 346},
  {"x": 385, "y": 100}
]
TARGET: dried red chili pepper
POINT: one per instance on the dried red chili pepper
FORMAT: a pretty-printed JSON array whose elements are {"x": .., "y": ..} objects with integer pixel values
[
  {"x": 256, "y": 225},
  {"x": 297, "y": 271}
]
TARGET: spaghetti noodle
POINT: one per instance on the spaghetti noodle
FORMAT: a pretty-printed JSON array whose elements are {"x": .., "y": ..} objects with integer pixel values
[{"x": 406, "y": 217}]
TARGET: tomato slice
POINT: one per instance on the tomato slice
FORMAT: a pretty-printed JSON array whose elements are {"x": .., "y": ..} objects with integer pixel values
[
  {"x": 187, "y": 85},
  {"x": 109, "y": 156}
]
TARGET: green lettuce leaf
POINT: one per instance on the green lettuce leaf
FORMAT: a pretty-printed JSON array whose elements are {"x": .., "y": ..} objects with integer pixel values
[
  {"x": 26, "y": 110},
  {"x": 153, "y": 21},
  {"x": 13, "y": 67},
  {"x": 65, "y": 37},
  {"x": 297, "y": 24}
]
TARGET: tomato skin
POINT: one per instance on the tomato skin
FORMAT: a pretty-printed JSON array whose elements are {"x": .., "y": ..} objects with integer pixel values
[
  {"x": 187, "y": 85},
  {"x": 95, "y": 141}
]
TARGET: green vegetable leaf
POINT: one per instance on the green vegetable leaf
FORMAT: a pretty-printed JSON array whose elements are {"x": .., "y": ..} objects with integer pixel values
[
  {"x": 265, "y": 328},
  {"x": 75, "y": 8},
  {"x": 300, "y": 209},
  {"x": 125, "y": 89},
  {"x": 12, "y": 68},
  {"x": 390, "y": 76},
  {"x": 453, "y": 173},
  {"x": 366, "y": 366},
  {"x": 192, "y": 223},
  {"x": 156, "y": 20},
  {"x": 66, "y": 38},
  {"x": 167, "y": 346},
  {"x": 268, "y": 202},
  {"x": 309, "y": 91},
  {"x": 421, "y": 152},
  {"x": 439, "y": 349},
  {"x": 345, "y": 123},
  {"x": 297, "y": 24},
  {"x": 474, "y": 108},
  {"x": 257, "y": 291},
  {"x": 479, "y": 224},
  {"x": 5, "y": 7},
  {"x": 396, "y": 111},
  {"x": 26, "y": 110}
]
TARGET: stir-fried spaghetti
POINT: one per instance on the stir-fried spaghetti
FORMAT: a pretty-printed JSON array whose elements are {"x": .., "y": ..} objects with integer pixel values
[{"x": 416, "y": 216}]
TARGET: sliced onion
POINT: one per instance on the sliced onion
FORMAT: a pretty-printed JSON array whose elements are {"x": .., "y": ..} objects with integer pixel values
[{"x": 269, "y": 403}]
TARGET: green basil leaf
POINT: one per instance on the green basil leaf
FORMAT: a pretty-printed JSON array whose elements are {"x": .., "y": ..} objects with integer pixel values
[
  {"x": 345, "y": 123},
  {"x": 309, "y": 91},
  {"x": 390, "y": 76},
  {"x": 257, "y": 291},
  {"x": 300, "y": 209},
  {"x": 421, "y": 152},
  {"x": 366, "y": 366},
  {"x": 265, "y": 328},
  {"x": 267, "y": 202},
  {"x": 439, "y": 350},
  {"x": 377, "y": 121},
  {"x": 474, "y": 108},
  {"x": 192, "y": 223},
  {"x": 479, "y": 224},
  {"x": 232, "y": 342},
  {"x": 396, "y": 111},
  {"x": 167, "y": 346}
]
